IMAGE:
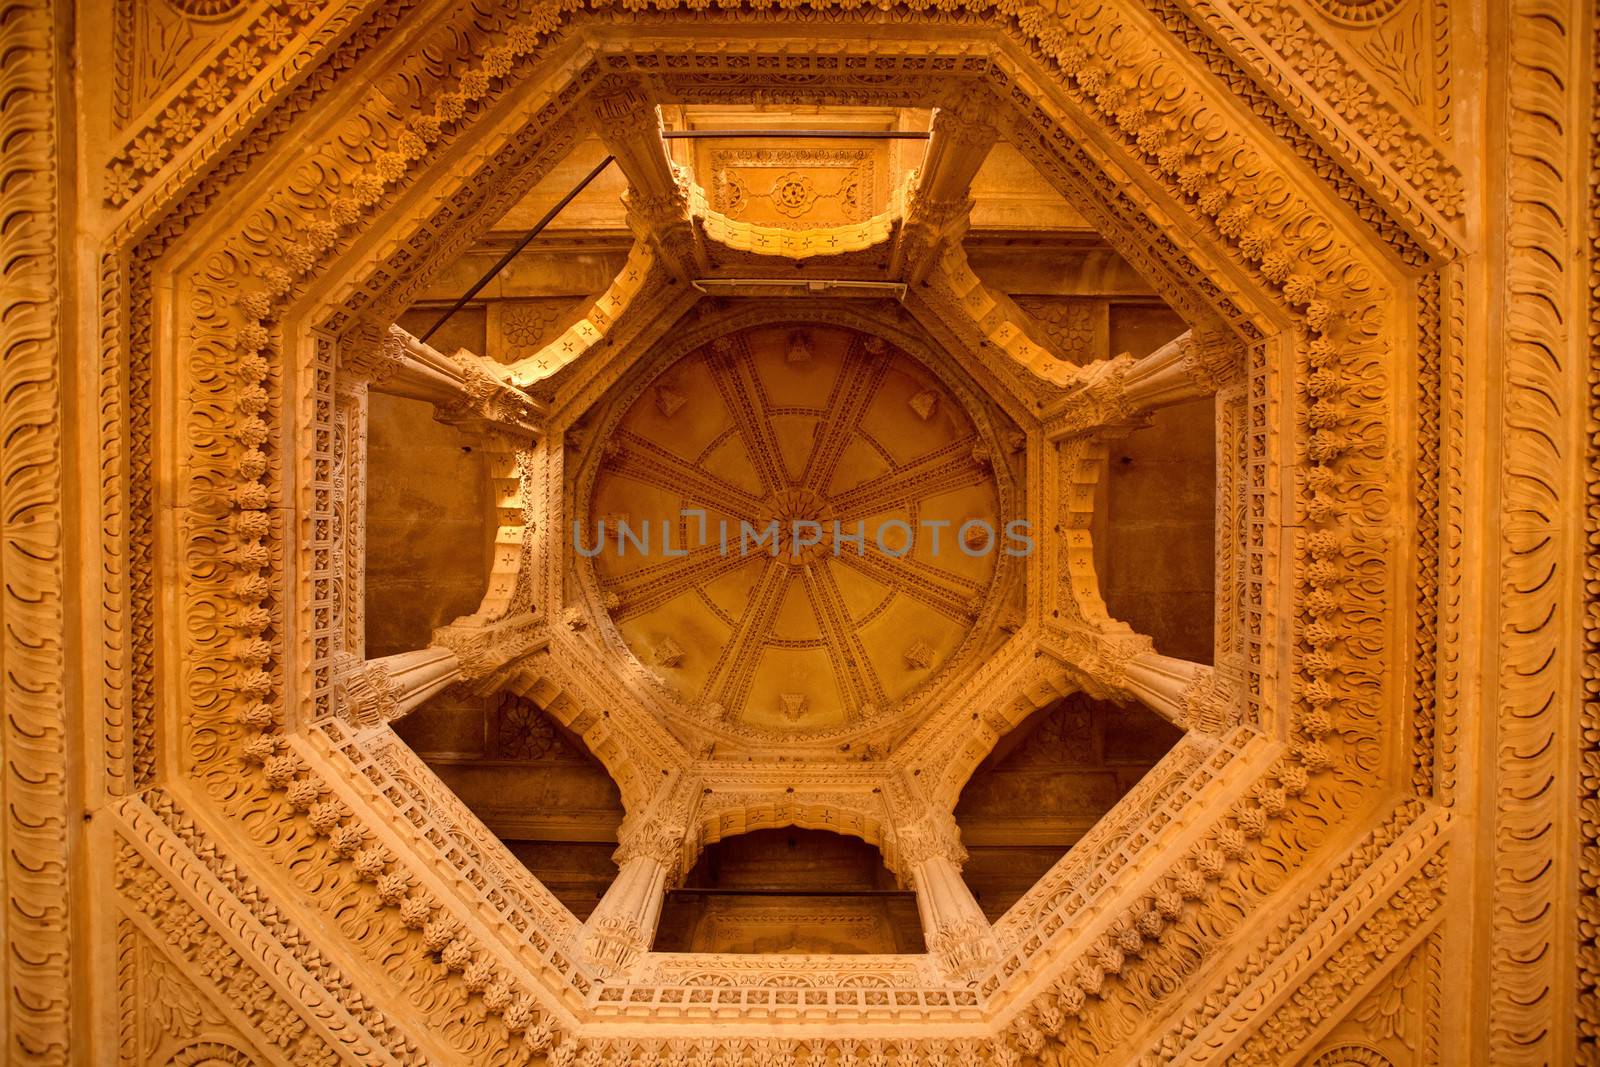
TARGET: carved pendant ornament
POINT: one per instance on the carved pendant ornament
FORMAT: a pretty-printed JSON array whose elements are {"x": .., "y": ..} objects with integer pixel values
[{"x": 1375, "y": 841}]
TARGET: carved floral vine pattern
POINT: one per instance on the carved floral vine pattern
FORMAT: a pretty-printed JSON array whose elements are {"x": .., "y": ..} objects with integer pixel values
[
  {"x": 258, "y": 46},
  {"x": 1411, "y": 152}
]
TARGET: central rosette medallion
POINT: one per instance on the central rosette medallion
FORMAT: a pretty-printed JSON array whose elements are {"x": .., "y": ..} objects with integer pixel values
[
  {"x": 805, "y": 525},
  {"x": 794, "y": 527}
]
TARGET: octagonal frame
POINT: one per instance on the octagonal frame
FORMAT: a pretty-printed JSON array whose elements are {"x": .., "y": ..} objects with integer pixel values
[{"x": 220, "y": 673}]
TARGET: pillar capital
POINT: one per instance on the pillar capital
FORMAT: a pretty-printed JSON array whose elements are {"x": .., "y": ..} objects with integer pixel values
[
  {"x": 363, "y": 693},
  {"x": 1213, "y": 357},
  {"x": 964, "y": 121},
  {"x": 654, "y": 840},
  {"x": 1097, "y": 397},
  {"x": 489, "y": 403},
  {"x": 1209, "y": 702},
  {"x": 1190, "y": 695},
  {"x": 621, "y": 109},
  {"x": 369, "y": 355},
  {"x": 934, "y": 835}
]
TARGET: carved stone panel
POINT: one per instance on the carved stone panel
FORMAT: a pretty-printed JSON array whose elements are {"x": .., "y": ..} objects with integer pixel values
[{"x": 800, "y": 188}]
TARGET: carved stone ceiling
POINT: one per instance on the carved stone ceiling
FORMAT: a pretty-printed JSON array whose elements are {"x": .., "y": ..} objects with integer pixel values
[
  {"x": 826, "y": 433},
  {"x": 1367, "y": 796}
]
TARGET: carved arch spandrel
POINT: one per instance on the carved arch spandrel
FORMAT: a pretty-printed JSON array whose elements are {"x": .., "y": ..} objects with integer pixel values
[{"x": 729, "y": 813}]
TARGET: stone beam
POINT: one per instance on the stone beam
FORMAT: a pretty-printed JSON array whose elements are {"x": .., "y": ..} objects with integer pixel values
[
  {"x": 938, "y": 204},
  {"x": 1111, "y": 392},
  {"x": 629, "y": 123}
]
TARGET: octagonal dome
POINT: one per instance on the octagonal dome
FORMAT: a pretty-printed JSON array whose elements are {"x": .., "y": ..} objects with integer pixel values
[{"x": 798, "y": 525}]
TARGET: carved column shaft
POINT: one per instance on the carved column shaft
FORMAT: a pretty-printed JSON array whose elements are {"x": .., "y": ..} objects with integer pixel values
[
  {"x": 623, "y": 924},
  {"x": 419, "y": 675},
  {"x": 929, "y": 855},
  {"x": 939, "y": 204},
  {"x": 1188, "y": 694},
  {"x": 386, "y": 689},
  {"x": 629, "y": 123},
  {"x": 648, "y": 860},
  {"x": 1164, "y": 377},
  {"x": 953, "y": 925},
  {"x": 419, "y": 371},
  {"x": 1112, "y": 391},
  {"x": 464, "y": 389}
]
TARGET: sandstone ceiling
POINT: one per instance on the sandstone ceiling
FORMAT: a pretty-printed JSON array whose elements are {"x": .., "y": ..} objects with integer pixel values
[
  {"x": 754, "y": 407},
  {"x": 1209, "y": 295},
  {"x": 828, "y": 416}
]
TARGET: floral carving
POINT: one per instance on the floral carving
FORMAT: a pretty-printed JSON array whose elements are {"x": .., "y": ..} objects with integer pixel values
[{"x": 1319, "y": 62}]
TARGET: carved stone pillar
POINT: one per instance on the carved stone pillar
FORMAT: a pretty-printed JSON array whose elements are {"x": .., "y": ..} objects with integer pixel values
[
  {"x": 623, "y": 924},
  {"x": 1191, "y": 695},
  {"x": 1191, "y": 365},
  {"x": 484, "y": 647},
  {"x": 368, "y": 692},
  {"x": 930, "y": 857},
  {"x": 938, "y": 205},
  {"x": 1096, "y": 659},
  {"x": 629, "y": 123},
  {"x": 1120, "y": 665},
  {"x": 1112, "y": 391},
  {"x": 464, "y": 389}
]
